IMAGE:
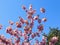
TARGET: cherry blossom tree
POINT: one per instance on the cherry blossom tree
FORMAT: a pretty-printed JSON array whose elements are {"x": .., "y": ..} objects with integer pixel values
[{"x": 28, "y": 35}]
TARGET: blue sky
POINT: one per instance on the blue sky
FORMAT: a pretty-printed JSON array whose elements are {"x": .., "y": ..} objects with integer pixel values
[{"x": 11, "y": 9}]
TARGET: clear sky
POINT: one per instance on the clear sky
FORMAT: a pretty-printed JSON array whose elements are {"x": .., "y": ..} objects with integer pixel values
[{"x": 11, "y": 9}]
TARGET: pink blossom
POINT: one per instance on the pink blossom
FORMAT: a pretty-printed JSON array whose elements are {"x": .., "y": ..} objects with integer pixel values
[
  {"x": 19, "y": 25},
  {"x": 23, "y": 7},
  {"x": 36, "y": 17},
  {"x": 42, "y": 10},
  {"x": 44, "y": 19},
  {"x": 11, "y": 22},
  {"x": 40, "y": 27},
  {"x": 54, "y": 39},
  {"x": 26, "y": 21}
]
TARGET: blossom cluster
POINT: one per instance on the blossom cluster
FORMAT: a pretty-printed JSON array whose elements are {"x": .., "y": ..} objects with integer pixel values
[{"x": 28, "y": 27}]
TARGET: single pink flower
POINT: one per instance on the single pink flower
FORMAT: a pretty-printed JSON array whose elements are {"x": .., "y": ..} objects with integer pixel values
[
  {"x": 42, "y": 10},
  {"x": 11, "y": 22}
]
